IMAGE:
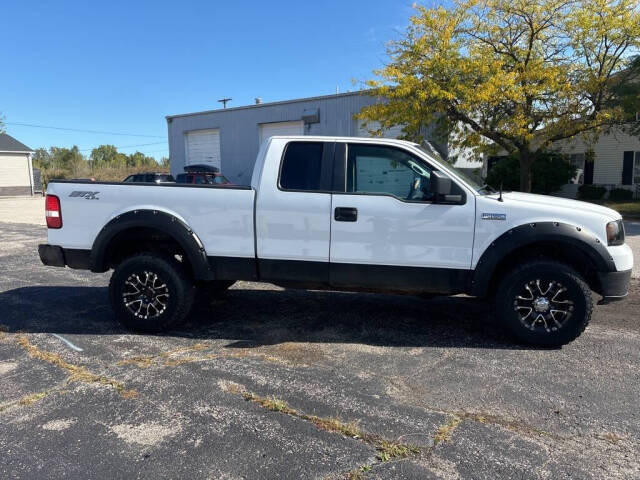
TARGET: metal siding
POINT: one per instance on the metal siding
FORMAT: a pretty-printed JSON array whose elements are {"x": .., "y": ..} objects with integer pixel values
[{"x": 239, "y": 129}]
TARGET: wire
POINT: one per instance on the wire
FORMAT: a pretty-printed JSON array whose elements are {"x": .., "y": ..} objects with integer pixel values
[{"x": 82, "y": 130}]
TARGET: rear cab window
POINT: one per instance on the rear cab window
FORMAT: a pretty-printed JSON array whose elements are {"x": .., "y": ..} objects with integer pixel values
[{"x": 306, "y": 167}]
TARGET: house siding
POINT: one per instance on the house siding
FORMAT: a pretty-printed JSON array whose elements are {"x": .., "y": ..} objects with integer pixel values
[
  {"x": 608, "y": 154},
  {"x": 14, "y": 174}
]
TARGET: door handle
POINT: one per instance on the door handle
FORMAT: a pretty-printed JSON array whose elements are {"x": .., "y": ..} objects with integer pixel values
[{"x": 345, "y": 214}]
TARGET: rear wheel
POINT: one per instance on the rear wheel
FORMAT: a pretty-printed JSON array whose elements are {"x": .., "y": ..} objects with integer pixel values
[
  {"x": 544, "y": 303},
  {"x": 150, "y": 293}
]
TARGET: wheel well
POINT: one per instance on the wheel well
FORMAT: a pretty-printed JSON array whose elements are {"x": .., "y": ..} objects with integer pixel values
[
  {"x": 557, "y": 251},
  {"x": 144, "y": 240}
]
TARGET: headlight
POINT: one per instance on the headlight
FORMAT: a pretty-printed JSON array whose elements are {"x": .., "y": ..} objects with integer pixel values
[{"x": 615, "y": 233}]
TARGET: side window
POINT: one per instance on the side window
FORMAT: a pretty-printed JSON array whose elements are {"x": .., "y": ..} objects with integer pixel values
[
  {"x": 302, "y": 167},
  {"x": 384, "y": 170},
  {"x": 200, "y": 180}
]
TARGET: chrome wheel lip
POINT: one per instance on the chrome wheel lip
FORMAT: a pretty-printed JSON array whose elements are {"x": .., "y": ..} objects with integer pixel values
[
  {"x": 543, "y": 305},
  {"x": 145, "y": 295}
]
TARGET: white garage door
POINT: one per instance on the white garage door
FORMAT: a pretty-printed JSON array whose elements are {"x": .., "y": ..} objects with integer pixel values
[
  {"x": 14, "y": 170},
  {"x": 361, "y": 131},
  {"x": 280, "y": 128},
  {"x": 202, "y": 146}
]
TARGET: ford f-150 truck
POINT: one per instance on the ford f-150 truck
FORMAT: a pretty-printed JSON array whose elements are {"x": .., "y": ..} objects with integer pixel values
[{"x": 336, "y": 213}]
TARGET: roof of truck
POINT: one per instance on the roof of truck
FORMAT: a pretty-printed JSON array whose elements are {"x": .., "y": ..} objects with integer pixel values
[{"x": 319, "y": 138}]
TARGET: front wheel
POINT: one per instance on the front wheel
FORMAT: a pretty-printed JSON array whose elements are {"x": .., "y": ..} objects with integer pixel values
[
  {"x": 150, "y": 293},
  {"x": 544, "y": 303}
]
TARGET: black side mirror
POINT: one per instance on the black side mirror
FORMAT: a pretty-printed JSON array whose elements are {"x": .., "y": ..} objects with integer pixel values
[{"x": 440, "y": 184}]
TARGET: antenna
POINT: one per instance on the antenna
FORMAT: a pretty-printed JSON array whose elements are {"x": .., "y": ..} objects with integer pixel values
[
  {"x": 224, "y": 101},
  {"x": 500, "y": 197}
]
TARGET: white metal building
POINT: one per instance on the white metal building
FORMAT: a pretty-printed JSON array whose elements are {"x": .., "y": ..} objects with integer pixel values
[{"x": 229, "y": 138}]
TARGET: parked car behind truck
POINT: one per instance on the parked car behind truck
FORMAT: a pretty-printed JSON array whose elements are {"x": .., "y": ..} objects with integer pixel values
[{"x": 339, "y": 213}]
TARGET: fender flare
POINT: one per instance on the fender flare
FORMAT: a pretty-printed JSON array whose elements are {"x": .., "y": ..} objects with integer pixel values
[
  {"x": 162, "y": 221},
  {"x": 530, "y": 234}
]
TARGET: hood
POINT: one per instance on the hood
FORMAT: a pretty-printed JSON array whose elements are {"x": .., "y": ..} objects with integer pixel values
[{"x": 559, "y": 202}]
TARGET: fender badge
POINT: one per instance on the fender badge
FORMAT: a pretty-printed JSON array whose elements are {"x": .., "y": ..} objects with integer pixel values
[
  {"x": 85, "y": 195},
  {"x": 494, "y": 216}
]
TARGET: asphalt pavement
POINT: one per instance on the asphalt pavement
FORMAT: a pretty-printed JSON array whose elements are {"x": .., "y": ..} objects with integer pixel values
[{"x": 272, "y": 383}]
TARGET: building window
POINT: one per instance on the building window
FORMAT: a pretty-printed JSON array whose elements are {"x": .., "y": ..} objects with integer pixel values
[
  {"x": 302, "y": 167},
  {"x": 577, "y": 160},
  {"x": 636, "y": 169}
]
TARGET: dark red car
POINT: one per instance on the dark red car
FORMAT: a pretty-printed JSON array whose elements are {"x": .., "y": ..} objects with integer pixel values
[{"x": 202, "y": 175}]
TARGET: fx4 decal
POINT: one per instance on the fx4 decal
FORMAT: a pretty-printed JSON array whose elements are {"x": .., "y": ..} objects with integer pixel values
[
  {"x": 85, "y": 195},
  {"x": 494, "y": 216}
]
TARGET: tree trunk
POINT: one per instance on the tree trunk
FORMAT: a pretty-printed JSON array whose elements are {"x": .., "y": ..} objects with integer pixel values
[{"x": 526, "y": 159}]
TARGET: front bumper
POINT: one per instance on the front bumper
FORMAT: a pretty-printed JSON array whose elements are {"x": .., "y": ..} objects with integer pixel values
[
  {"x": 613, "y": 285},
  {"x": 55, "y": 256}
]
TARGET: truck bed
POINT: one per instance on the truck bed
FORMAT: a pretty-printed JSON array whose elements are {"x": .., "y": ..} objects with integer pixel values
[{"x": 221, "y": 217}]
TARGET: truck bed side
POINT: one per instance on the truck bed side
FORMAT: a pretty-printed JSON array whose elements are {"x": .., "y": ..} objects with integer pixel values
[{"x": 220, "y": 217}]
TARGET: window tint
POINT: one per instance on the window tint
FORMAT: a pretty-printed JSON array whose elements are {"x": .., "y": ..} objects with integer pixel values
[
  {"x": 200, "y": 180},
  {"x": 385, "y": 170},
  {"x": 302, "y": 167}
]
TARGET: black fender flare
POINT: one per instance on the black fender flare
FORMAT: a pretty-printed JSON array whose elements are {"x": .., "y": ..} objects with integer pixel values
[
  {"x": 532, "y": 233},
  {"x": 166, "y": 223}
]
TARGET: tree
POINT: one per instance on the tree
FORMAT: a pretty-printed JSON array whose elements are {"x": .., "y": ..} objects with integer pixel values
[
  {"x": 41, "y": 159},
  {"x": 515, "y": 75},
  {"x": 139, "y": 159},
  {"x": 107, "y": 156},
  {"x": 549, "y": 172}
]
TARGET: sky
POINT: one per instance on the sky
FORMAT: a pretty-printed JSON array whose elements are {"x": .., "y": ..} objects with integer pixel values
[{"x": 120, "y": 67}]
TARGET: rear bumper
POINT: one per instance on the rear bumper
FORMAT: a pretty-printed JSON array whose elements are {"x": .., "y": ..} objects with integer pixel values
[
  {"x": 55, "y": 256},
  {"x": 614, "y": 285}
]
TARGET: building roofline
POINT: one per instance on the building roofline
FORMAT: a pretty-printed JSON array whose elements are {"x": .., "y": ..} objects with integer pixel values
[
  {"x": 260, "y": 105},
  {"x": 17, "y": 151}
]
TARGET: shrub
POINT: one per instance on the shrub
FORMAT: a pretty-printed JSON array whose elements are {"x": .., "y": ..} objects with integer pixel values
[
  {"x": 549, "y": 172},
  {"x": 591, "y": 192},
  {"x": 620, "y": 195}
]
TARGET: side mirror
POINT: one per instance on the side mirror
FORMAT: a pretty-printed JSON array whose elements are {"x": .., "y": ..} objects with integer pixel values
[{"x": 440, "y": 184}]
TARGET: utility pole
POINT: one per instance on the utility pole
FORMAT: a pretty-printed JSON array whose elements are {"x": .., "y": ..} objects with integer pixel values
[{"x": 224, "y": 101}]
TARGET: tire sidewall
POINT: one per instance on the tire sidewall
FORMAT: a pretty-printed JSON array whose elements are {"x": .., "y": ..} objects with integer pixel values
[
  {"x": 168, "y": 272},
  {"x": 513, "y": 284}
]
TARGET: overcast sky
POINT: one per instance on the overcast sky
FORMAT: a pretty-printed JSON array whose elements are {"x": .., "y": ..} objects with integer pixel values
[{"x": 121, "y": 66}]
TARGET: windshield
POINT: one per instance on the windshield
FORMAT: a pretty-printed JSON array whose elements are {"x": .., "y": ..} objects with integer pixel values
[{"x": 430, "y": 150}]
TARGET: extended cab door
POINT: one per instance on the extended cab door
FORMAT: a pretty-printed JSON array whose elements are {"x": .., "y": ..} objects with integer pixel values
[
  {"x": 293, "y": 211},
  {"x": 389, "y": 231}
]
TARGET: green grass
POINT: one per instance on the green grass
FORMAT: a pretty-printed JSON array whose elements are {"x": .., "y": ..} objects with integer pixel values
[{"x": 626, "y": 209}]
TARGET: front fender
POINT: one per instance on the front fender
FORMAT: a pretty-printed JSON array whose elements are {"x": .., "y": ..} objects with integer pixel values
[{"x": 530, "y": 234}]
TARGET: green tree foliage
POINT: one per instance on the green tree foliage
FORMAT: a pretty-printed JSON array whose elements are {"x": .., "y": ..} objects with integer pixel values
[
  {"x": 104, "y": 162},
  {"x": 514, "y": 75},
  {"x": 107, "y": 156},
  {"x": 550, "y": 171}
]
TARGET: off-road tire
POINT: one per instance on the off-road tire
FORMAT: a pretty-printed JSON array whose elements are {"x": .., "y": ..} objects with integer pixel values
[
  {"x": 547, "y": 333},
  {"x": 168, "y": 272}
]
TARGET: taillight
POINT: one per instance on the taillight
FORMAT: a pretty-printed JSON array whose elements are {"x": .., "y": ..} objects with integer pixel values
[{"x": 52, "y": 212}]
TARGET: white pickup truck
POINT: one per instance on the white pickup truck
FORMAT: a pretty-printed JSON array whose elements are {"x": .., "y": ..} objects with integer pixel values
[{"x": 343, "y": 214}]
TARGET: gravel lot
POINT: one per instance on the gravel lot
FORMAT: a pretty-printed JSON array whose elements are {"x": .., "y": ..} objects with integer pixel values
[{"x": 272, "y": 383}]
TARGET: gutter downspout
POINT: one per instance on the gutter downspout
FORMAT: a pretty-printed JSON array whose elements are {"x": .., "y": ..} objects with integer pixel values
[{"x": 30, "y": 164}]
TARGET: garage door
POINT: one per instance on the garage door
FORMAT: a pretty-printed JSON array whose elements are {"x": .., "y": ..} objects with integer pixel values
[
  {"x": 361, "y": 131},
  {"x": 203, "y": 146},
  {"x": 280, "y": 128}
]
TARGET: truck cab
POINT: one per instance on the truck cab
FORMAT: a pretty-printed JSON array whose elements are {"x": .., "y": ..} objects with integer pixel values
[{"x": 339, "y": 213}]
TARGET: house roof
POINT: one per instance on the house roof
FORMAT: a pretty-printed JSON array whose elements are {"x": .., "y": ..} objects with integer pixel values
[{"x": 10, "y": 144}]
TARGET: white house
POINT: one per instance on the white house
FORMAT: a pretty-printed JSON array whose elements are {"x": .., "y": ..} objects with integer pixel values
[{"x": 16, "y": 170}]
